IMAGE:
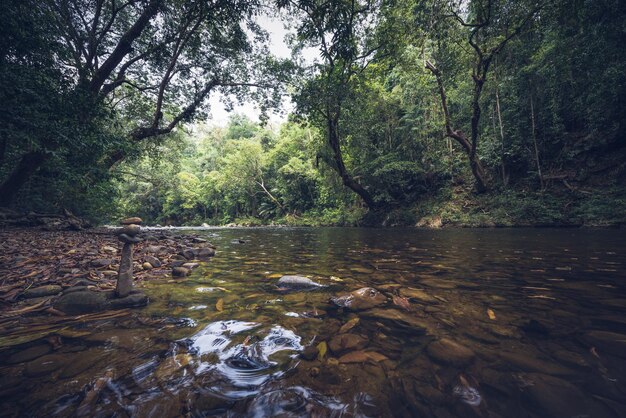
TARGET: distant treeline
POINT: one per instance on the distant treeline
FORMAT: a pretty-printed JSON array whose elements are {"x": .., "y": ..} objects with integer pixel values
[{"x": 413, "y": 109}]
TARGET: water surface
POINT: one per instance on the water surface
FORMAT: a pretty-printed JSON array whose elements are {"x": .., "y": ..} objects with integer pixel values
[{"x": 532, "y": 323}]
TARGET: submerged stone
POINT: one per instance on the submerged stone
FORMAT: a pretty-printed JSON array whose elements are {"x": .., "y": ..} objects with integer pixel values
[
  {"x": 450, "y": 352},
  {"x": 609, "y": 342},
  {"x": 417, "y": 294},
  {"x": 555, "y": 397},
  {"x": 364, "y": 298},
  {"x": 29, "y": 354},
  {"x": 345, "y": 342},
  {"x": 46, "y": 364},
  {"x": 415, "y": 325},
  {"x": 297, "y": 282}
]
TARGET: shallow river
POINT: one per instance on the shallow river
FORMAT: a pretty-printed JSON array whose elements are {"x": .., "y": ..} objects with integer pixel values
[{"x": 485, "y": 323}]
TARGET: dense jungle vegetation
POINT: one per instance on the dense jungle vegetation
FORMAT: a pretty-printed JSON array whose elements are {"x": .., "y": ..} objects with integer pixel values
[{"x": 479, "y": 112}]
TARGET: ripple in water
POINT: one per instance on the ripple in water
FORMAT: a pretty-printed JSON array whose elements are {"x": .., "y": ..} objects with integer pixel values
[{"x": 238, "y": 370}]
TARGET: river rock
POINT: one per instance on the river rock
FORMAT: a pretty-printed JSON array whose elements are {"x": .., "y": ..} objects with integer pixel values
[
  {"x": 362, "y": 357},
  {"x": 46, "y": 364},
  {"x": 131, "y": 230},
  {"x": 450, "y": 352},
  {"x": 133, "y": 220},
  {"x": 609, "y": 342},
  {"x": 296, "y": 282},
  {"x": 439, "y": 283},
  {"x": 155, "y": 249},
  {"x": 101, "y": 262},
  {"x": 191, "y": 266},
  {"x": 554, "y": 397},
  {"x": 417, "y": 294},
  {"x": 155, "y": 262},
  {"x": 529, "y": 363},
  {"x": 310, "y": 353},
  {"x": 82, "y": 361},
  {"x": 41, "y": 291},
  {"x": 407, "y": 321},
  {"x": 82, "y": 302},
  {"x": 180, "y": 272},
  {"x": 29, "y": 354},
  {"x": 133, "y": 300},
  {"x": 345, "y": 342},
  {"x": 361, "y": 299},
  {"x": 126, "y": 239},
  {"x": 203, "y": 252}
]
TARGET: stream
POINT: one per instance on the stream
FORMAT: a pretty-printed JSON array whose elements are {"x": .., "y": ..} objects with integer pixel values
[{"x": 455, "y": 322}]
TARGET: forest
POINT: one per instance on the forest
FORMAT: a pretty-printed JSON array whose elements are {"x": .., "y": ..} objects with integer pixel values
[{"x": 428, "y": 113}]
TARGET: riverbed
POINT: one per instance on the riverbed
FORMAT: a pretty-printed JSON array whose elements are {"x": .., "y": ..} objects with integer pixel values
[{"x": 467, "y": 322}]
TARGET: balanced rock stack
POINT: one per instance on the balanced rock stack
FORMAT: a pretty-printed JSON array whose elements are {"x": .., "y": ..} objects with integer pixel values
[{"x": 128, "y": 235}]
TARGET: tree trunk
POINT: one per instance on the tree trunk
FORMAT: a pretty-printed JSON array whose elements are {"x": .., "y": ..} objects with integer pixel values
[
  {"x": 534, "y": 134},
  {"x": 27, "y": 166},
  {"x": 348, "y": 181},
  {"x": 469, "y": 146},
  {"x": 505, "y": 177},
  {"x": 475, "y": 163}
]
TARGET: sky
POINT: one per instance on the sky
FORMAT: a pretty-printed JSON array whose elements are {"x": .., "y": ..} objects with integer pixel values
[{"x": 274, "y": 26}]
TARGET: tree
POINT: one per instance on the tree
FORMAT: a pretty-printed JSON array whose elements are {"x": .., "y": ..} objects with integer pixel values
[
  {"x": 340, "y": 30},
  {"x": 150, "y": 64},
  {"x": 490, "y": 28}
]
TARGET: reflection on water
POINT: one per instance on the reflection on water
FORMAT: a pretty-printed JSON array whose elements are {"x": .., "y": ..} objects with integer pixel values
[{"x": 472, "y": 323}]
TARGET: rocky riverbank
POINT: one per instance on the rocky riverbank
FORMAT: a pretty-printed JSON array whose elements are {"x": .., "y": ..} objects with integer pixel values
[{"x": 40, "y": 270}]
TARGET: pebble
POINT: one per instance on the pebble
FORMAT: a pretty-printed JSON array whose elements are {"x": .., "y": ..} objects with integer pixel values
[{"x": 155, "y": 262}]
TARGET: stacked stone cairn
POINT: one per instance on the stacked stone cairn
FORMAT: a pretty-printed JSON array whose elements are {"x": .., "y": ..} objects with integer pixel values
[{"x": 128, "y": 236}]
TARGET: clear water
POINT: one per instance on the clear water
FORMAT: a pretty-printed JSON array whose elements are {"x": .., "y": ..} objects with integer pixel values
[{"x": 538, "y": 314}]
